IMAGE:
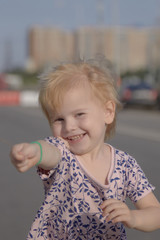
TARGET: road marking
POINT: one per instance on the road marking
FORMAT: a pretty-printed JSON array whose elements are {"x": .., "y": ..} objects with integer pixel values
[{"x": 146, "y": 134}]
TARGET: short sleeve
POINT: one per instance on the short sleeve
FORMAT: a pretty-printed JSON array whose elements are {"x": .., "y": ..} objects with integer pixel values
[
  {"x": 57, "y": 142},
  {"x": 138, "y": 185}
]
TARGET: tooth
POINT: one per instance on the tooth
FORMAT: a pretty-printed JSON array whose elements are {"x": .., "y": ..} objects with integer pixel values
[{"x": 75, "y": 137}]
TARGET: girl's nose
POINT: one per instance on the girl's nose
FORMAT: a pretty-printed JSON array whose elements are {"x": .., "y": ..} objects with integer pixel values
[{"x": 70, "y": 125}]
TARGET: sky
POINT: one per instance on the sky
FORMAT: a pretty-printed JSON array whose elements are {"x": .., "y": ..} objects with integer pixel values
[{"x": 18, "y": 16}]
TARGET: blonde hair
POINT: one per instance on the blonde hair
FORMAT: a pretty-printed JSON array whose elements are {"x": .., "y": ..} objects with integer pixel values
[{"x": 59, "y": 80}]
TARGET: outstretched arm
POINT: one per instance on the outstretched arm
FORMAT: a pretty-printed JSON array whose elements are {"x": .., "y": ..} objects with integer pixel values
[
  {"x": 146, "y": 217},
  {"x": 26, "y": 155}
]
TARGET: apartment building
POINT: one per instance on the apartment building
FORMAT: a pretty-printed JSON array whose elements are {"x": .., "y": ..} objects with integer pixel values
[
  {"x": 129, "y": 48},
  {"x": 48, "y": 45}
]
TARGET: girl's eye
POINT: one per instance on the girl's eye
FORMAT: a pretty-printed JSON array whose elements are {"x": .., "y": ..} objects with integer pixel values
[
  {"x": 58, "y": 120},
  {"x": 80, "y": 114}
]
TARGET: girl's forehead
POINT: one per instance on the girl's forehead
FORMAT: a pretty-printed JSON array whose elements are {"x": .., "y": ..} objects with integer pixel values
[
  {"x": 79, "y": 98},
  {"x": 76, "y": 98},
  {"x": 77, "y": 83},
  {"x": 79, "y": 94},
  {"x": 80, "y": 91}
]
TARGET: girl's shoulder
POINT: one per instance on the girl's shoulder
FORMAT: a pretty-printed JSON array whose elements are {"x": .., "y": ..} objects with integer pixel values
[
  {"x": 55, "y": 141},
  {"x": 123, "y": 158}
]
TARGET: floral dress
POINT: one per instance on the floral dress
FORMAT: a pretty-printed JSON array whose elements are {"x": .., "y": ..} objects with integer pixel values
[{"x": 71, "y": 209}]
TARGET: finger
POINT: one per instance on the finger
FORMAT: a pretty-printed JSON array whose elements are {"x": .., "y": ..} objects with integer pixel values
[
  {"x": 112, "y": 206},
  {"x": 20, "y": 155},
  {"x": 114, "y": 210},
  {"x": 108, "y": 202},
  {"x": 116, "y": 215},
  {"x": 116, "y": 219},
  {"x": 28, "y": 151},
  {"x": 23, "y": 167},
  {"x": 20, "y": 164},
  {"x": 17, "y": 147},
  {"x": 16, "y": 152},
  {"x": 17, "y": 158}
]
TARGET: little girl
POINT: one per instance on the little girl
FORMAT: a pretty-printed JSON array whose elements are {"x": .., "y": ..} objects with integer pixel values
[{"x": 86, "y": 180}]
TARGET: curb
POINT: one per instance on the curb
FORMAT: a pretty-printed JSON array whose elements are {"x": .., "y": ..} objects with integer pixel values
[{"x": 16, "y": 98}]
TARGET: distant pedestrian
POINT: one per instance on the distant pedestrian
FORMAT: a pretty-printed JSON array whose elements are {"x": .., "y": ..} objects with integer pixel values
[{"x": 86, "y": 180}]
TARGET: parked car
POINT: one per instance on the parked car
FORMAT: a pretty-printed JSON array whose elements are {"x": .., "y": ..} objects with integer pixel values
[
  {"x": 140, "y": 93},
  {"x": 158, "y": 98}
]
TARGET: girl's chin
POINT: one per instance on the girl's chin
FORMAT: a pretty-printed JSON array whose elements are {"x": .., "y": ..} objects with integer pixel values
[{"x": 78, "y": 150}]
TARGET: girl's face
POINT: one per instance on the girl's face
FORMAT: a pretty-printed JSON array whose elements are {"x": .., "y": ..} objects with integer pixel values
[{"x": 82, "y": 120}]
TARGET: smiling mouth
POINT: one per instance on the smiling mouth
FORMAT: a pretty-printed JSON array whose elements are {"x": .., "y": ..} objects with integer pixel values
[{"x": 76, "y": 137}]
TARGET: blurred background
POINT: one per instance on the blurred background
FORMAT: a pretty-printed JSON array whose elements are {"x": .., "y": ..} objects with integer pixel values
[
  {"x": 34, "y": 35},
  {"x": 37, "y": 34}
]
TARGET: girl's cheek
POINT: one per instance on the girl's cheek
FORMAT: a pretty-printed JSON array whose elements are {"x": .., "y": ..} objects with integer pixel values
[
  {"x": 57, "y": 131},
  {"x": 56, "y": 134},
  {"x": 84, "y": 123}
]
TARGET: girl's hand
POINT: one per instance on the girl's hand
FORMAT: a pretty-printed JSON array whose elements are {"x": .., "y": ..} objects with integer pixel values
[
  {"x": 117, "y": 211},
  {"x": 24, "y": 156}
]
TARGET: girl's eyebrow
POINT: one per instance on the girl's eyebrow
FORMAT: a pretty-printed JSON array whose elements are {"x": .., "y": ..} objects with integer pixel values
[{"x": 81, "y": 110}]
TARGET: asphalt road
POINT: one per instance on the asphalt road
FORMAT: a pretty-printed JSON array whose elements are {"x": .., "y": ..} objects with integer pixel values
[{"x": 138, "y": 132}]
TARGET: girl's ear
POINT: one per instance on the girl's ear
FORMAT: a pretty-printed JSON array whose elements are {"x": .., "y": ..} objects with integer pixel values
[{"x": 109, "y": 112}]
